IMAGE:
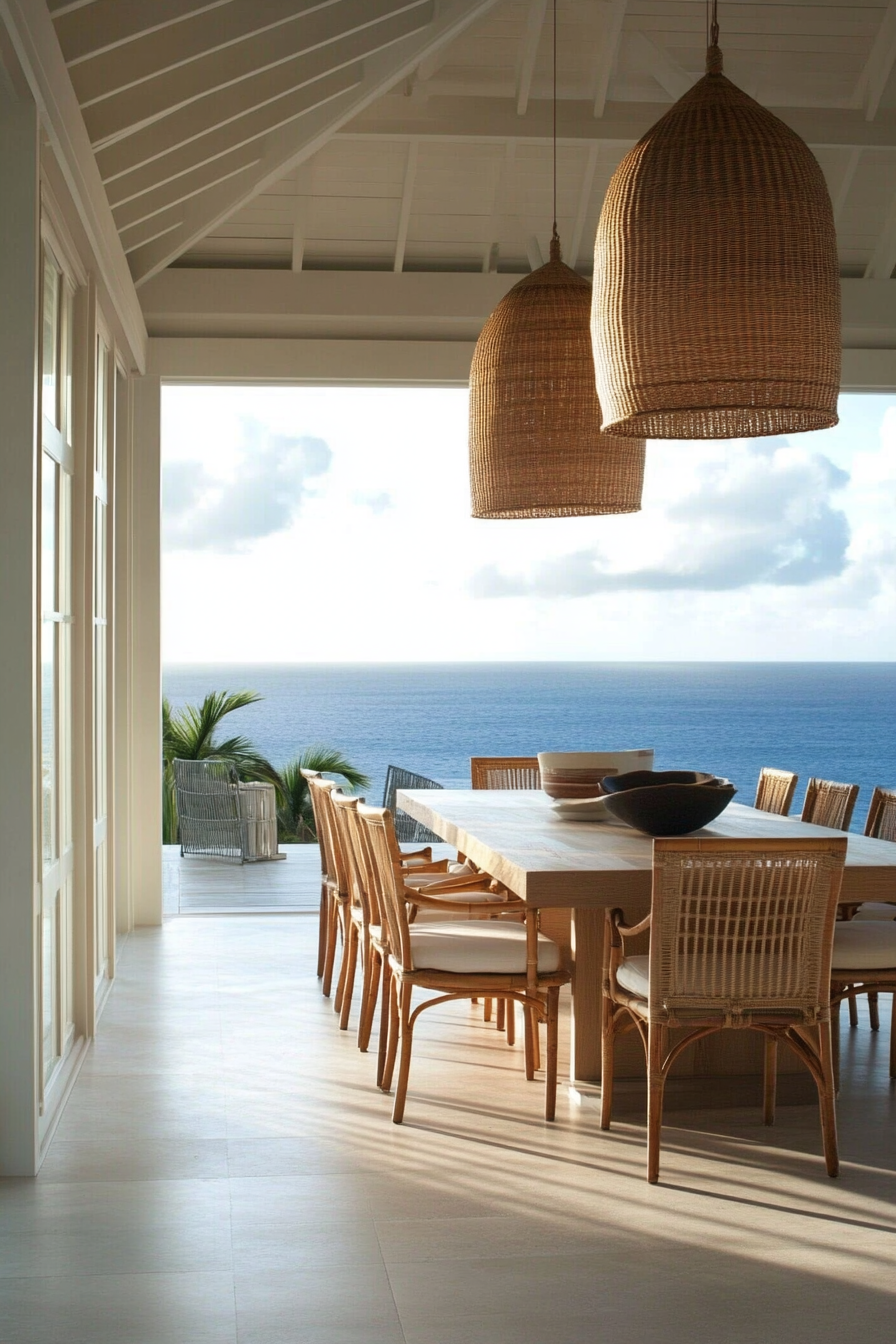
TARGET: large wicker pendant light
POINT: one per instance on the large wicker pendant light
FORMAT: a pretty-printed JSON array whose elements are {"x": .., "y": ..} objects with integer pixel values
[
  {"x": 716, "y": 310},
  {"x": 536, "y": 450}
]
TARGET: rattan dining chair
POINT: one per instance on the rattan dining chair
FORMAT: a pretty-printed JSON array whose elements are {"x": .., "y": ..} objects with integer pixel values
[
  {"x": 460, "y": 959},
  {"x": 308, "y": 775},
  {"x": 880, "y": 824},
  {"x": 829, "y": 804},
  {"x": 505, "y": 772},
  {"x": 775, "y": 790},
  {"x": 336, "y": 882},
  {"x": 740, "y": 936},
  {"x": 440, "y": 893}
]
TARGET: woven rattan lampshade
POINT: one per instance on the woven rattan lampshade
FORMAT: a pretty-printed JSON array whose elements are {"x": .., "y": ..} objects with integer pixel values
[
  {"x": 536, "y": 450},
  {"x": 716, "y": 310}
]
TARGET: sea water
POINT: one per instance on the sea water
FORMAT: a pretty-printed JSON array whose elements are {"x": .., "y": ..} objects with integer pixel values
[{"x": 834, "y": 720}]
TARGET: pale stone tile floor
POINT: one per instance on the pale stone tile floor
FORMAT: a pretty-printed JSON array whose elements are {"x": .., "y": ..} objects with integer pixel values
[{"x": 226, "y": 1173}]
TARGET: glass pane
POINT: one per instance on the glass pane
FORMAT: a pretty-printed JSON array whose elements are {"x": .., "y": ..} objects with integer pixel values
[
  {"x": 48, "y": 538},
  {"x": 49, "y": 764},
  {"x": 100, "y": 720},
  {"x": 48, "y": 340},
  {"x": 64, "y": 735},
  {"x": 102, "y": 358},
  {"x": 99, "y": 554},
  {"x": 49, "y": 985},
  {"x": 66, "y": 363},
  {"x": 100, "y": 910}
]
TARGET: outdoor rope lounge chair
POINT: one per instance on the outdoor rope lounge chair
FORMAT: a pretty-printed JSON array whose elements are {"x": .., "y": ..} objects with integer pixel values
[
  {"x": 208, "y": 809},
  {"x": 407, "y": 830}
]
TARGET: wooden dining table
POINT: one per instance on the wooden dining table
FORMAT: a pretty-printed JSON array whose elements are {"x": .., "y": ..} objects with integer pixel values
[{"x": 572, "y": 871}]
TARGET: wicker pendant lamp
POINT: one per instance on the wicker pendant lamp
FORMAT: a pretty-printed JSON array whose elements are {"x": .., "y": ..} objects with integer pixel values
[
  {"x": 536, "y": 448},
  {"x": 716, "y": 309}
]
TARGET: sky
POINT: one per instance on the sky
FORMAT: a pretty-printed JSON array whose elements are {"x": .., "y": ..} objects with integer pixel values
[{"x": 333, "y": 525}]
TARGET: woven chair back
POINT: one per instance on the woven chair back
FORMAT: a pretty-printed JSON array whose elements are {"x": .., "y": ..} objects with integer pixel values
[
  {"x": 343, "y": 806},
  {"x": 881, "y": 823},
  {"x": 775, "y": 790},
  {"x": 331, "y": 849},
  {"x": 743, "y": 927},
  {"x": 828, "y": 803},
  {"x": 208, "y": 808},
  {"x": 407, "y": 830},
  {"x": 389, "y": 881},
  {"x": 505, "y": 772}
]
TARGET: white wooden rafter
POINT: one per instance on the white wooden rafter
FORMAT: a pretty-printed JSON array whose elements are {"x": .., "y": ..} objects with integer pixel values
[
  {"x": 665, "y": 70},
  {"x": 529, "y": 53},
  {"x": 284, "y": 150},
  {"x": 613, "y": 16},
  {"x": 108, "y": 24},
  {"x": 407, "y": 198},
  {"x": 883, "y": 258},
  {"x": 879, "y": 65}
]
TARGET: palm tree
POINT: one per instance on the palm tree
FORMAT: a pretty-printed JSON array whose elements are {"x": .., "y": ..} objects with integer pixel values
[
  {"x": 295, "y": 816},
  {"x": 190, "y": 734}
]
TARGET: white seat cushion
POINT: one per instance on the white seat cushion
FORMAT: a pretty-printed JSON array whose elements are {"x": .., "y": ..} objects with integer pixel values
[
  {"x": 479, "y": 947},
  {"x": 464, "y": 896},
  {"x": 875, "y": 910},
  {"x": 864, "y": 945},
  {"x": 423, "y": 880},
  {"x": 634, "y": 975},
  {"x": 461, "y": 869}
]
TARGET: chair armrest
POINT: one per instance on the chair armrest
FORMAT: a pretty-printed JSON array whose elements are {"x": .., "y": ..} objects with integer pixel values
[
  {"x": 423, "y": 900},
  {"x": 420, "y": 854}
]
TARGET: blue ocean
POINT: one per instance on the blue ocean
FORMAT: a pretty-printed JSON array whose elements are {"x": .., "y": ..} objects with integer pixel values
[{"x": 827, "y": 719}]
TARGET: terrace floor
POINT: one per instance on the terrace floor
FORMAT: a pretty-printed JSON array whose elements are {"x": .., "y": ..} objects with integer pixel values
[{"x": 226, "y": 1172}]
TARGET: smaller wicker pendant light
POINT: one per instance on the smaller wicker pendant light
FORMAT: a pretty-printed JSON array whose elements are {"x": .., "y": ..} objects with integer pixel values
[
  {"x": 716, "y": 310},
  {"x": 536, "y": 450}
]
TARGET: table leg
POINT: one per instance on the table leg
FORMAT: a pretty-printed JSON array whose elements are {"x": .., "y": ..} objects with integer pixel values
[{"x": 587, "y": 949}]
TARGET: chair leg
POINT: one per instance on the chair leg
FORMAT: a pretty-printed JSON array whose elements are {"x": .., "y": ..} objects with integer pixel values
[
  {"x": 656, "y": 1083},
  {"x": 407, "y": 1041},
  {"x": 536, "y": 1041},
  {"x": 392, "y": 1036},
  {"x": 385, "y": 1010},
  {"x": 510, "y": 1022},
  {"x": 550, "y": 1083},
  {"x": 322, "y": 931},
  {"x": 873, "y": 1010},
  {"x": 350, "y": 959},
  {"x": 607, "y": 1053},
  {"x": 853, "y": 1011},
  {"x": 368, "y": 997},
  {"x": 826, "y": 1100},
  {"x": 500, "y": 1014},
  {"x": 332, "y": 933},
  {"x": 529, "y": 1054},
  {"x": 487, "y": 1010},
  {"x": 345, "y": 921},
  {"x": 770, "y": 1080}
]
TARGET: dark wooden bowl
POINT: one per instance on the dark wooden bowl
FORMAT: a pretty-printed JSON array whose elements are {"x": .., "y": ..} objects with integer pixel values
[{"x": 667, "y": 802}]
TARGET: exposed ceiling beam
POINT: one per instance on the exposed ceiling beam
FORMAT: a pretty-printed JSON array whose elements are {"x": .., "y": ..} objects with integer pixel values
[
  {"x": 232, "y": 137},
  {"x": 31, "y": 31},
  {"x": 203, "y": 34},
  {"x": 878, "y": 68},
  {"x": 151, "y": 229},
  {"x": 667, "y": 72},
  {"x": 840, "y": 196},
  {"x": 254, "y": 61},
  {"x": 298, "y": 247},
  {"x": 109, "y": 23},
  {"x": 613, "y": 14},
  {"x": 407, "y": 197},
  {"x": 284, "y": 149},
  {"x": 183, "y": 188},
  {"x": 477, "y": 119},
  {"x": 220, "y": 116},
  {"x": 529, "y": 53},
  {"x": 883, "y": 258},
  {"x": 575, "y": 242}
]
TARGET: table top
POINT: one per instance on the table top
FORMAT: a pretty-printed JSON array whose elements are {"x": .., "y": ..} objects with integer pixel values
[{"x": 517, "y": 837}]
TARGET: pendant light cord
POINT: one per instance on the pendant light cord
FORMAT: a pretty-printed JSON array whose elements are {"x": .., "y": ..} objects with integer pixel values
[
  {"x": 555, "y": 237},
  {"x": 713, "y": 54}
]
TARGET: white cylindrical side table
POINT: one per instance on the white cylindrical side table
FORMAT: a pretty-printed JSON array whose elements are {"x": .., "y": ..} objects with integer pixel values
[{"x": 258, "y": 812}]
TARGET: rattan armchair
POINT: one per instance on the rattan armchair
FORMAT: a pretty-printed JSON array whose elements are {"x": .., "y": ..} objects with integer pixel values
[
  {"x": 308, "y": 775},
  {"x": 740, "y": 937},
  {"x": 505, "y": 772},
  {"x": 868, "y": 951},
  {"x": 459, "y": 959},
  {"x": 336, "y": 882},
  {"x": 829, "y": 804},
  {"x": 775, "y": 790}
]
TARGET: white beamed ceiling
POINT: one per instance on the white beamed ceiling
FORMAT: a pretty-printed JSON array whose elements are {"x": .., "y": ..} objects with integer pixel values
[{"x": 414, "y": 135}]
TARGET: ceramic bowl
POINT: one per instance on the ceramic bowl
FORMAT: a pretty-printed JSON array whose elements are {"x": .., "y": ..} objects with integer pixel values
[
  {"x": 668, "y": 802},
  {"x": 578, "y": 774}
]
